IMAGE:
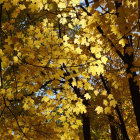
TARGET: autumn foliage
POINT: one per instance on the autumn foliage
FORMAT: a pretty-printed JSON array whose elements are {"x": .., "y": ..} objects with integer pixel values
[{"x": 69, "y": 69}]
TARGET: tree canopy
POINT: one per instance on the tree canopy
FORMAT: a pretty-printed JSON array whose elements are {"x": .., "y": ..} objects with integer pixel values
[{"x": 69, "y": 69}]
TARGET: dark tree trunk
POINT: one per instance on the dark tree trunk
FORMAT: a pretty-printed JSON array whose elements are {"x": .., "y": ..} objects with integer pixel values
[
  {"x": 113, "y": 132},
  {"x": 135, "y": 93},
  {"x": 123, "y": 128},
  {"x": 86, "y": 127},
  {"x": 134, "y": 88}
]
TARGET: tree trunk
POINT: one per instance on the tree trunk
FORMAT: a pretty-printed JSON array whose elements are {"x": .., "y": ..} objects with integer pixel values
[
  {"x": 135, "y": 93},
  {"x": 86, "y": 127},
  {"x": 134, "y": 88},
  {"x": 113, "y": 132},
  {"x": 123, "y": 128}
]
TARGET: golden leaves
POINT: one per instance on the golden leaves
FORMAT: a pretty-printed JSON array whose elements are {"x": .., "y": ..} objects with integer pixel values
[
  {"x": 104, "y": 92},
  {"x": 93, "y": 69},
  {"x": 104, "y": 59},
  {"x": 87, "y": 96},
  {"x": 15, "y": 58},
  {"x": 113, "y": 103},
  {"x": 107, "y": 110},
  {"x": 105, "y": 102},
  {"x": 2, "y": 1},
  {"x": 62, "y": 118},
  {"x": 62, "y": 5},
  {"x": 96, "y": 92},
  {"x": 99, "y": 109},
  {"x": 65, "y": 38},
  {"x": 78, "y": 50},
  {"x": 28, "y": 103},
  {"x": 1, "y": 53},
  {"x": 110, "y": 96},
  {"x": 22, "y": 7},
  {"x": 45, "y": 99},
  {"x": 114, "y": 29},
  {"x": 7, "y": 5},
  {"x": 83, "y": 23},
  {"x": 74, "y": 83},
  {"x": 54, "y": 35},
  {"x": 123, "y": 42},
  {"x": 15, "y": 2},
  {"x": 74, "y": 2}
]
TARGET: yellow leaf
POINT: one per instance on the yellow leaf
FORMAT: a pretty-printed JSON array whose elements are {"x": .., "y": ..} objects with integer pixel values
[
  {"x": 110, "y": 96},
  {"x": 2, "y": 91},
  {"x": 107, "y": 110},
  {"x": 104, "y": 59},
  {"x": 15, "y": 58},
  {"x": 1, "y": 53},
  {"x": 65, "y": 38},
  {"x": 96, "y": 92},
  {"x": 114, "y": 29},
  {"x": 87, "y": 96},
  {"x": 74, "y": 82},
  {"x": 104, "y": 92},
  {"x": 15, "y": 2},
  {"x": 93, "y": 69},
  {"x": 99, "y": 109},
  {"x": 10, "y": 95},
  {"x": 122, "y": 42},
  {"x": 98, "y": 55},
  {"x": 62, "y": 118},
  {"x": 22, "y": 7},
  {"x": 113, "y": 103},
  {"x": 79, "y": 84},
  {"x": 78, "y": 122},
  {"x": 78, "y": 50},
  {"x": 45, "y": 99},
  {"x": 74, "y": 126},
  {"x": 26, "y": 106},
  {"x": 6, "y": 5},
  {"x": 105, "y": 102},
  {"x": 60, "y": 110}
]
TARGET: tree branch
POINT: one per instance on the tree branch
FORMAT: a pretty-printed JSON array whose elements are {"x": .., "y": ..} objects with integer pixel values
[{"x": 87, "y": 3}]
